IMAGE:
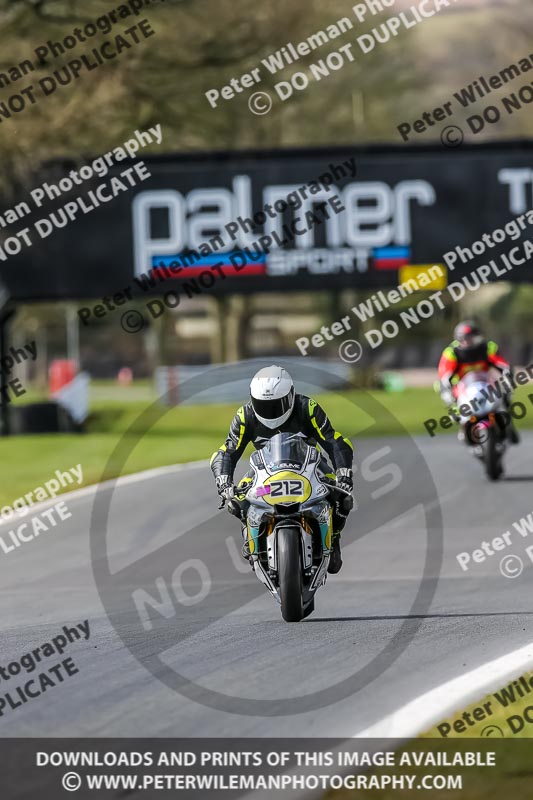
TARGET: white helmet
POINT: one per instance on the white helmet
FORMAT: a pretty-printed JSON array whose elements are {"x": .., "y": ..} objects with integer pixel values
[{"x": 272, "y": 395}]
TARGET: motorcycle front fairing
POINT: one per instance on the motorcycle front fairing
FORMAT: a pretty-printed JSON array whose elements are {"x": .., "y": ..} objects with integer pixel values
[
  {"x": 483, "y": 412},
  {"x": 288, "y": 488},
  {"x": 474, "y": 391}
]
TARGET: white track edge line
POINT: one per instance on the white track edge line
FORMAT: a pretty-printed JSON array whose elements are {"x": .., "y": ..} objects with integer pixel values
[
  {"x": 442, "y": 701},
  {"x": 146, "y": 474},
  {"x": 432, "y": 707}
]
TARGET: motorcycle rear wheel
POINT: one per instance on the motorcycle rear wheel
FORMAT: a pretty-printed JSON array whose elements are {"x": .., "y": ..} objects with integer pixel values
[{"x": 290, "y": 574}]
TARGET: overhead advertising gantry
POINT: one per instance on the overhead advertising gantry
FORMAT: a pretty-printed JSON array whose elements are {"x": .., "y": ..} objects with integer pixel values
[{"x": 295, "y": 220}]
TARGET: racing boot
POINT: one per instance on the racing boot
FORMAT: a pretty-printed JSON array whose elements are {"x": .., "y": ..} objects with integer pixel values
[
  {"x": 245, "y": 549},
  {"x": 335, "y": 558},
  {"x": 512, "y": 434}
]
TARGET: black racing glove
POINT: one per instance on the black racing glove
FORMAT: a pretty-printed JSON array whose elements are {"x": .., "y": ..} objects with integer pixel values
[
  {"x": 344, "y": 479},
  {"x": 345, "y": 483},
  {"x": 225, "y": 486}
]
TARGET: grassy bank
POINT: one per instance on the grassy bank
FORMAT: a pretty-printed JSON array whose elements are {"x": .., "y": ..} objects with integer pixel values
[
  {"x": 499, "y": 723},
  {"x": 504, "y": 771},
  {"x": 505, "y": 714},
  {"x": 188, "y": 433}
]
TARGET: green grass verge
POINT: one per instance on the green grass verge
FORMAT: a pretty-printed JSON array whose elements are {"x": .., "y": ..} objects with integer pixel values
[
  {"x": 187, "y": 433},
  {"x": 501, "y": 724},
  {"x": 505, "y": 774},
  {"x": 504, "y": 714}
]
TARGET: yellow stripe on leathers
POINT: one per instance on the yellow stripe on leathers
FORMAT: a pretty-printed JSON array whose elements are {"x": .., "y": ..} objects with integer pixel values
[
  {"x": 242, "y": 428},
  {"x": 344, "y": 439},
  {"x": 222, "y": 449},
  {"x": 312, "y": 404}
]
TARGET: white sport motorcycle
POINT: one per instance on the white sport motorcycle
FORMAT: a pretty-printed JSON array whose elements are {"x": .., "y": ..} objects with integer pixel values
[
  {"x": 288, "y": 506},
  {"x": 485, "y": 420}
]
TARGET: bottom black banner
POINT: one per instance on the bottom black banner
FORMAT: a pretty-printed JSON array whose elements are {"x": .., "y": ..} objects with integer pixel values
[{"x": 469, "y": 769}]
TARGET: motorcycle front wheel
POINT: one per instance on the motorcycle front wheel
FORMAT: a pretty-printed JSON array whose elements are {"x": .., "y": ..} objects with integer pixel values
[{"x": 290, "y": 574}]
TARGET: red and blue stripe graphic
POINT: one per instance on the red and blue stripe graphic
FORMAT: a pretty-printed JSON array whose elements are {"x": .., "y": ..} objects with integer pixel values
[
  {"x": 391, "y": 257},
  {"x": 235, "y": 263}
]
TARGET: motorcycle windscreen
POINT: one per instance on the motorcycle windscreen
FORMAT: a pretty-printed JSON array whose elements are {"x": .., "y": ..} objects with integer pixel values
[
  {"x": 285, "y": 450},
  {"x": 477, "y": 392}
]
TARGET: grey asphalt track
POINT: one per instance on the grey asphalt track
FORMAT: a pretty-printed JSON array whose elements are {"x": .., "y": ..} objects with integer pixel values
[{"x": 235, "y": 641}]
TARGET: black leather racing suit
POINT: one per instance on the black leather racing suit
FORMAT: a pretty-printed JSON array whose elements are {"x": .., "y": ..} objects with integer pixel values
[{"x": 307, "y": 418}]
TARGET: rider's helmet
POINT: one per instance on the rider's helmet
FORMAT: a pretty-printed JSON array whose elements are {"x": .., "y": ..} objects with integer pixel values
[
  {"x": 272, "y": 395},
  {"x": 468, "y": 334}
]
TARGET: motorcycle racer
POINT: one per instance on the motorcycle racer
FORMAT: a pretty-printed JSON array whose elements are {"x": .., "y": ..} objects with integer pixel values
[
  {"x": 470, "y": 351},
  {"x": 275, "y": 407}
]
